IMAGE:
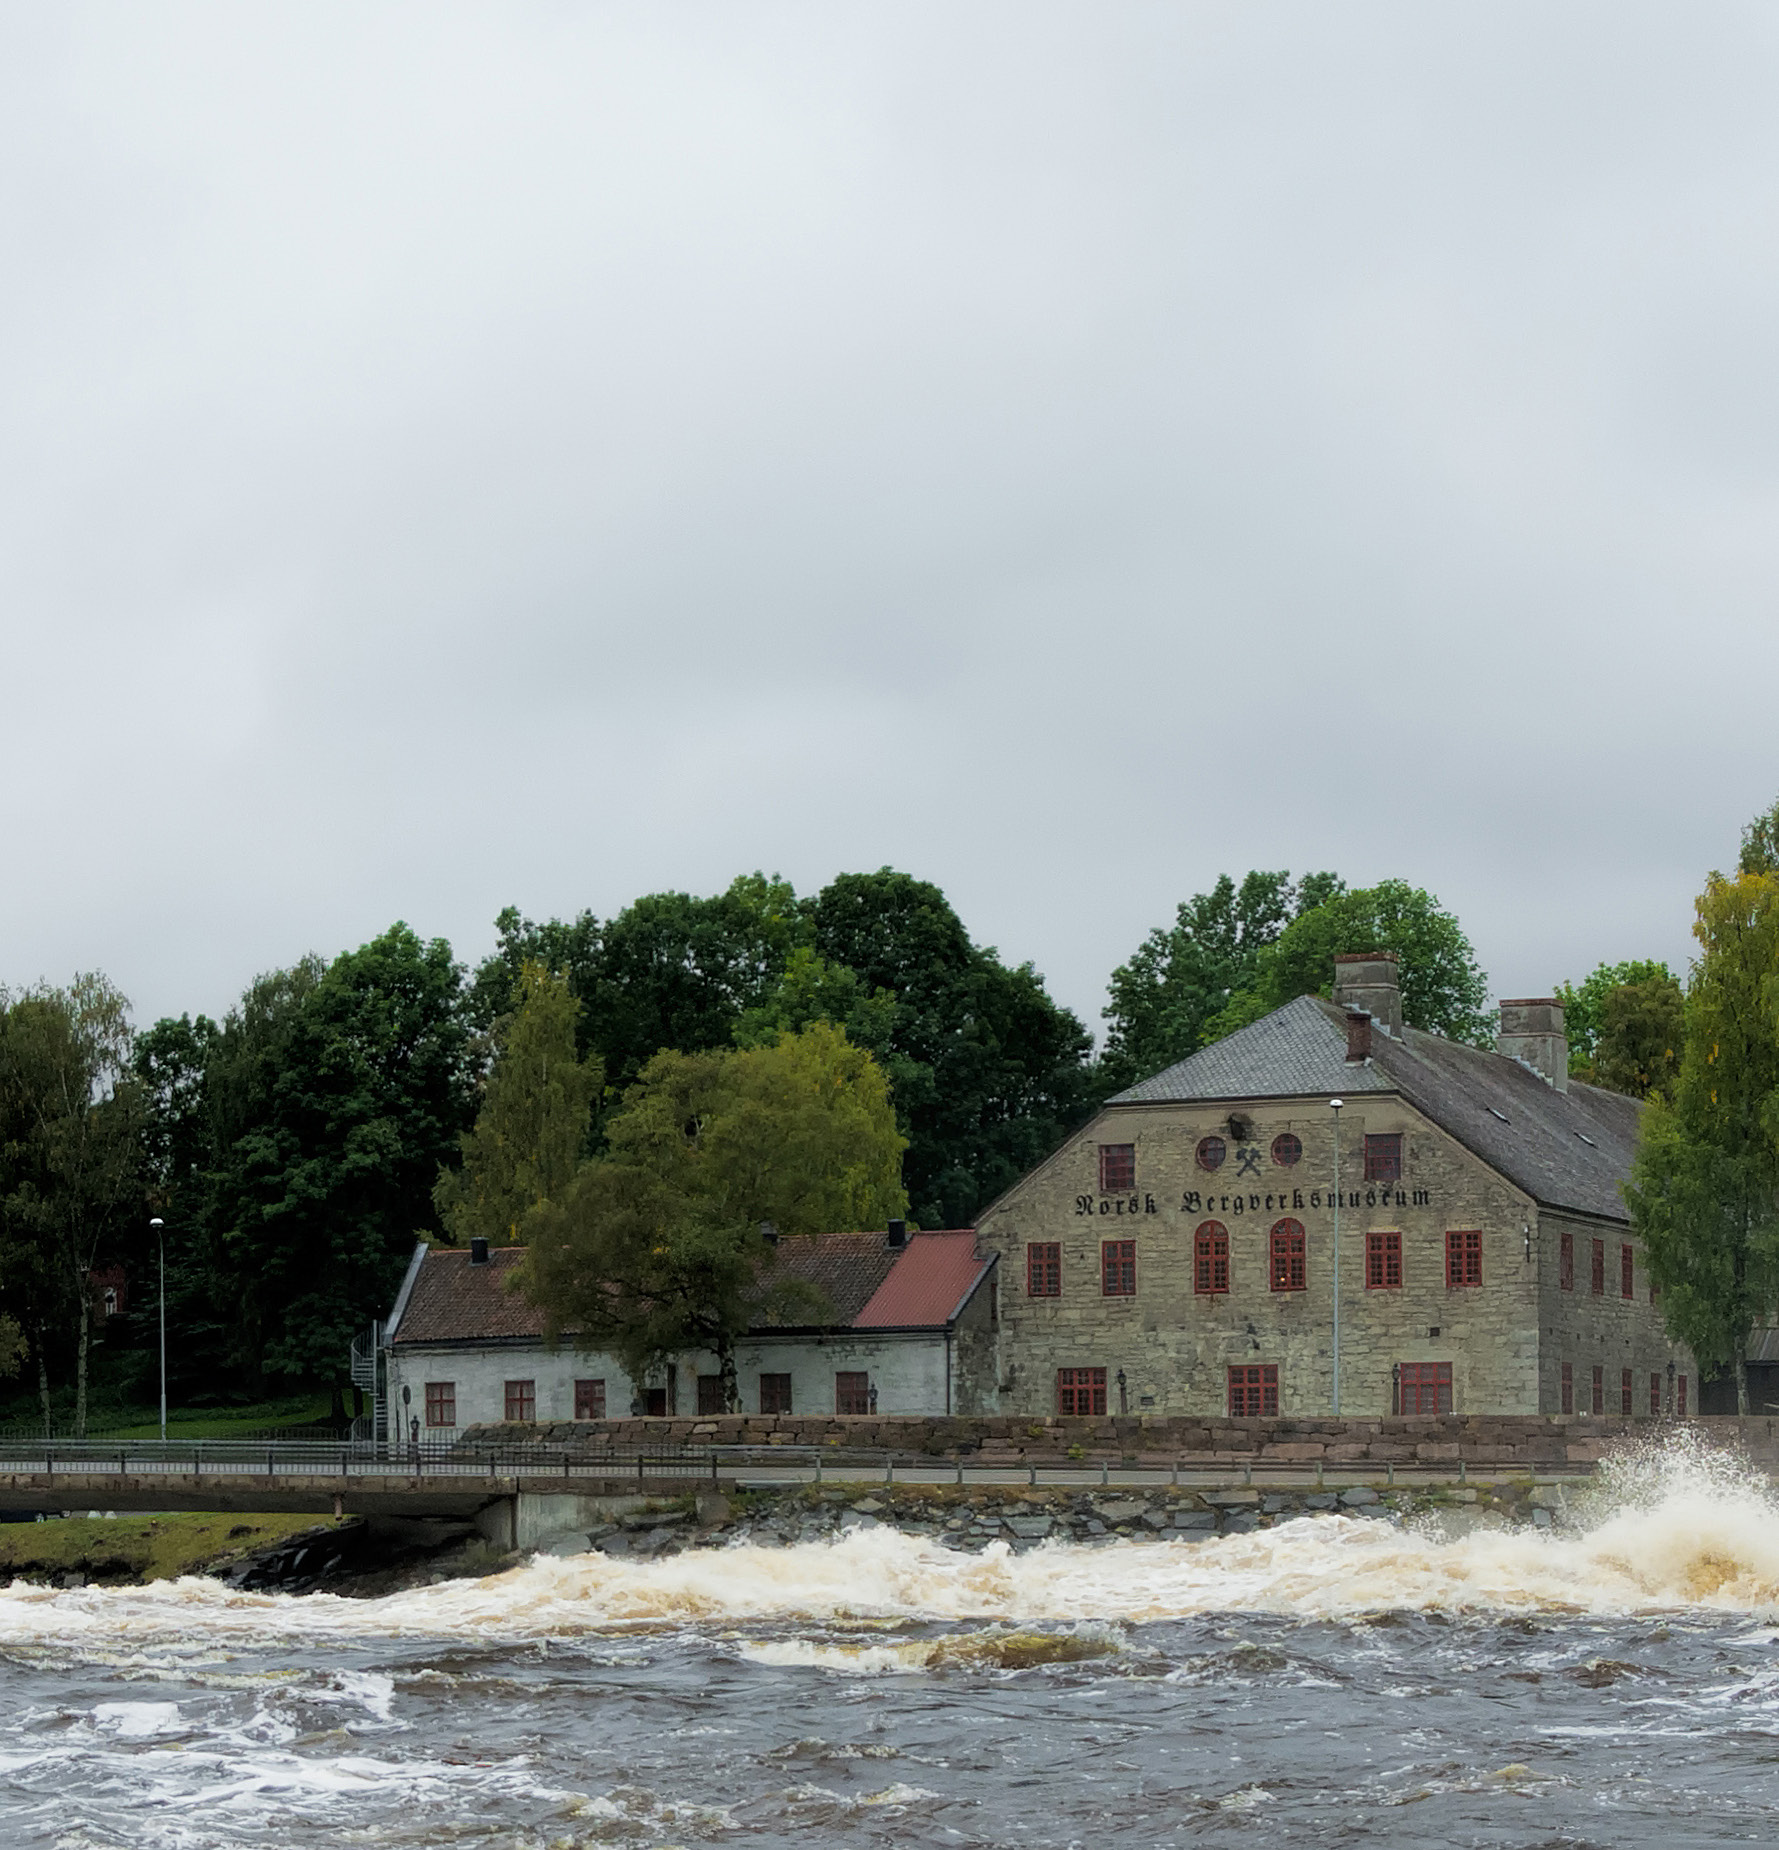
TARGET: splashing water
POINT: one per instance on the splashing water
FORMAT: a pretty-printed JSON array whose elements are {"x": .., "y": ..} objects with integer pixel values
[{"x": 1668, "y": 1526}]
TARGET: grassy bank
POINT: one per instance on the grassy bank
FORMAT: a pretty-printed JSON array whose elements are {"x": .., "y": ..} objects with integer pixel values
[{"x": 132, "y": 1549}]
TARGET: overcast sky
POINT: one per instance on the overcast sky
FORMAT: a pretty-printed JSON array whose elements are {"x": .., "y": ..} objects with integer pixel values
[{"x": 541, "y": 454}]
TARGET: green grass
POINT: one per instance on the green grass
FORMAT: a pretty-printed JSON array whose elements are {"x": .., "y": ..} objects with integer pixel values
[
  {"x": 138, "y": 1548},
  {"x": 218, "y": 1422}
]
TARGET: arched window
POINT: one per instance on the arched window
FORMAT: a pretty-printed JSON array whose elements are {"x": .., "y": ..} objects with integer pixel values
[
  {"x": 1211, "y": 1152},
  {"x": 1210, "y": 1269},
  {"x": 1288, "y": 1271},
  {"x": 1286, "y": 1149}
]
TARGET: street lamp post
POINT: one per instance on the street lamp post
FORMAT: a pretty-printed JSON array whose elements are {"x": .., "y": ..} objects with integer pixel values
[
  {"x": 160, "y": 1229},
  {"x": 1334, "y": 1106}
]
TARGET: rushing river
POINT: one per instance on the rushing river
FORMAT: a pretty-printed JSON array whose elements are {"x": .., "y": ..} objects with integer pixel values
[{"x": 1329, "y": 1681}]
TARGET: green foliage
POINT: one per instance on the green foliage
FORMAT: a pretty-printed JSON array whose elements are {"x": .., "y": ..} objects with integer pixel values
[
  {"x": 671, "y": 970},
  {"x": 810, "y": 989},
  {"x": 1583, "y": 1003},
  {"x": 1704, "y": 1190},
  {"x": 71, "y": 1163},
  {"x": 532, "y": 1127},
  {"x": 1443, "y": 989},
  {"x": 1642, "y": 1033},
  {"x": 989, "y": 1073},
  {"x": 986, "y": 1071},
  {"x": 1760, "y": 844},
  {"x": 657, "y": 1247},
  {"x": 300, "y": 1141},
  {"x": 1181, "y": 977}
]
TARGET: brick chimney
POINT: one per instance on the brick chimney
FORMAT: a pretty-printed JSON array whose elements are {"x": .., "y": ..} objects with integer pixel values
[
  {"x": 1368, "y": 980},
  {"x": 1532, "y": 1032},
  {"x": 1358, "y": 1035}
]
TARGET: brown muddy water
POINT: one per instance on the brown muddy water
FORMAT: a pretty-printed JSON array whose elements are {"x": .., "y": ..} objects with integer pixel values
[{"x": 1330, "y": 1681}]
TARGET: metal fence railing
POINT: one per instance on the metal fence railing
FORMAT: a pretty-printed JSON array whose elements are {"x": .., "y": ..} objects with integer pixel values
[{"x": 309, "y": 1458}]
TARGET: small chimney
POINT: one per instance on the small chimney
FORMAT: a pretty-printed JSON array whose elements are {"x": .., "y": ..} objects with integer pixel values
[
  {"x": 1369, "y": 980},
  {"x": 768, "y": 1233},
  {"x": 898, "y": 1233},
  {"x": 1358, "y": 1036},
  {"x": 478, "y": 1251},
  {"x": 1532, "y": 1032}
]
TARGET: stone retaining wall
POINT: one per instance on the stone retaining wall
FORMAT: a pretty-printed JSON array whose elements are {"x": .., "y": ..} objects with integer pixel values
[
  {"x": 972, "y": 1519},
  {"x": 1473, "y": 1439}
]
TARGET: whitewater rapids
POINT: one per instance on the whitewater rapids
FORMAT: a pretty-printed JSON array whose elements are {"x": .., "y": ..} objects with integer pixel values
[{"x": 1672, "y": 1529}]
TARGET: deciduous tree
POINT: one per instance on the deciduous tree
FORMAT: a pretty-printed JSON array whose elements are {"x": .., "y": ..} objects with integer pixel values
[
  {"x": 1443, "y": 989},
  {"x": 1584, "y": 1002},
  {"x": 658, "y": 1248},
  {"x": 531, "y": 1130},
  {"x": 75, "y": 1173},
  {"x": 1704, "y": 1190},
  {"x": 1182, "y": 976}
]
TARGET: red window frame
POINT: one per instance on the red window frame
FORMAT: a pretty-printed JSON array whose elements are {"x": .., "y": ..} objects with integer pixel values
[
  {"x": 1383, "y": 1156},
  {"x": 1599, "y": 1401},
  {"x": 1043, "y": 1269},
  {"x": 1211, "y": 1153},
  {"x": 1423, "y": 1387},
  {"x": 1627, "y": 1271},
  {"x": 1287, "y": 1149},
  {"x": 1210, "y": 1260},
  {"x": 1080, "y": 1392},
  {"x": 1383, "y": 1261},
  {"x": 1118, "y": 1168},
  {"x": 1566, "y": 1262},
  {"x": 775, "y": 1393},
  {"x": 1655, "y": 1394},
  {"x": 1597, "y": 1272},
  {"x": 1118, "y": 1268},
  {"x": 441, "y": 1403},
  {"x": 1568, "y": 1401},
  {"x": 852, "y": 1390},
  {"x": 589, "y": 1399},
  {"x": 1463, "y": 1258},
  {"x": 1627, "y": 1394},
  {"x": 1288, "y": 1265},
  {"x": 521, "y": 1401},
  {"x": 1253, "y": 1391},
  {"x": 1680, "y": 1397}
]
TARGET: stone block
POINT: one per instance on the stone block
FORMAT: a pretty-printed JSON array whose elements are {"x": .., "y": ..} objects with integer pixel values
[
  {"x": 1030, "y": 1528},
  {"x": 1358, "y": 1496},
  {"x": 1230, "y": 1498}
]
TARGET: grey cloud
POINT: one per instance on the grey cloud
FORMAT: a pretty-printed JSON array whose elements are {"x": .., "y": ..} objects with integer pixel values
[{"x": 454, "y": 457}]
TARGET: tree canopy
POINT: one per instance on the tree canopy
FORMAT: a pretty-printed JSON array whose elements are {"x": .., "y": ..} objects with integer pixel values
[
  {"x": 531, "y": 1129},
  {"x": 1443, "y": 988},
  {"x": 1704, "y": 1192},
  {"x": 1584, "y": 1004},
  {"x": 72, "y": 1173},
  {"x": 1181, "y": 977},
  {"x": 657, "y": 1248}
]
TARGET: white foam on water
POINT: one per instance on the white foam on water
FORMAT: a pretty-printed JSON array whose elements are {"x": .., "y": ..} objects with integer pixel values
[
  {"x": 137, "y": 1720},
  {"x": 1671, "y": 1528}
]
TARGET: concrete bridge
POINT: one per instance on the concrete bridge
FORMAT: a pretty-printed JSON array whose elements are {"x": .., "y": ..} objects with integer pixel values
[{"x": 518, "y": 1495}]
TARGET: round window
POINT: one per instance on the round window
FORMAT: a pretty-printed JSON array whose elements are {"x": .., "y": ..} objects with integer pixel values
[
  {"x": 1211, "y": 1152},
  {"x": 1286, "y": 1149}
]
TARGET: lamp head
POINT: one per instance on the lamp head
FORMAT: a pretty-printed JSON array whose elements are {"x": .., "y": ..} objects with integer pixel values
[
  {"x": 157, "y": 1225},
  {"x": 1334, "y": 1104}
]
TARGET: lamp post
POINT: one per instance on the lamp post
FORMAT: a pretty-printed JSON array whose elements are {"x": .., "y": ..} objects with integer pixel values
[
  {"x": 160, "y": 1231},
  {"x": 1334, "y": 1106}
]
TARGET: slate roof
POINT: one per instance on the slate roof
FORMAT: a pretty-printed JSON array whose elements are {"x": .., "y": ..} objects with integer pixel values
[
  {"x": 869, "y": 1284},
  {"x": 1565, "y": 1149}
]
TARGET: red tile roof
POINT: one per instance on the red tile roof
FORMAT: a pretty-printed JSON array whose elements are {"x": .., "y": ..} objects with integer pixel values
[
  {"x": 933, "y": 1276},
  {"x": 870, "y": 1285}
]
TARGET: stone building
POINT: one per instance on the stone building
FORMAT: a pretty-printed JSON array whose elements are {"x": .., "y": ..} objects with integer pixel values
[
  {"x": 1179, "y": 1255},
  {"x": 910, "y": 1328}
]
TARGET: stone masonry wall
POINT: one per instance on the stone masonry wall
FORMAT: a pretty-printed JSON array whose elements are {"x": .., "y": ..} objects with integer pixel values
[
  {"x": 1606, "y": 1330},
  {"x": 1479, "y": 1440},
  {"x": 1175, "y": 1345}
]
